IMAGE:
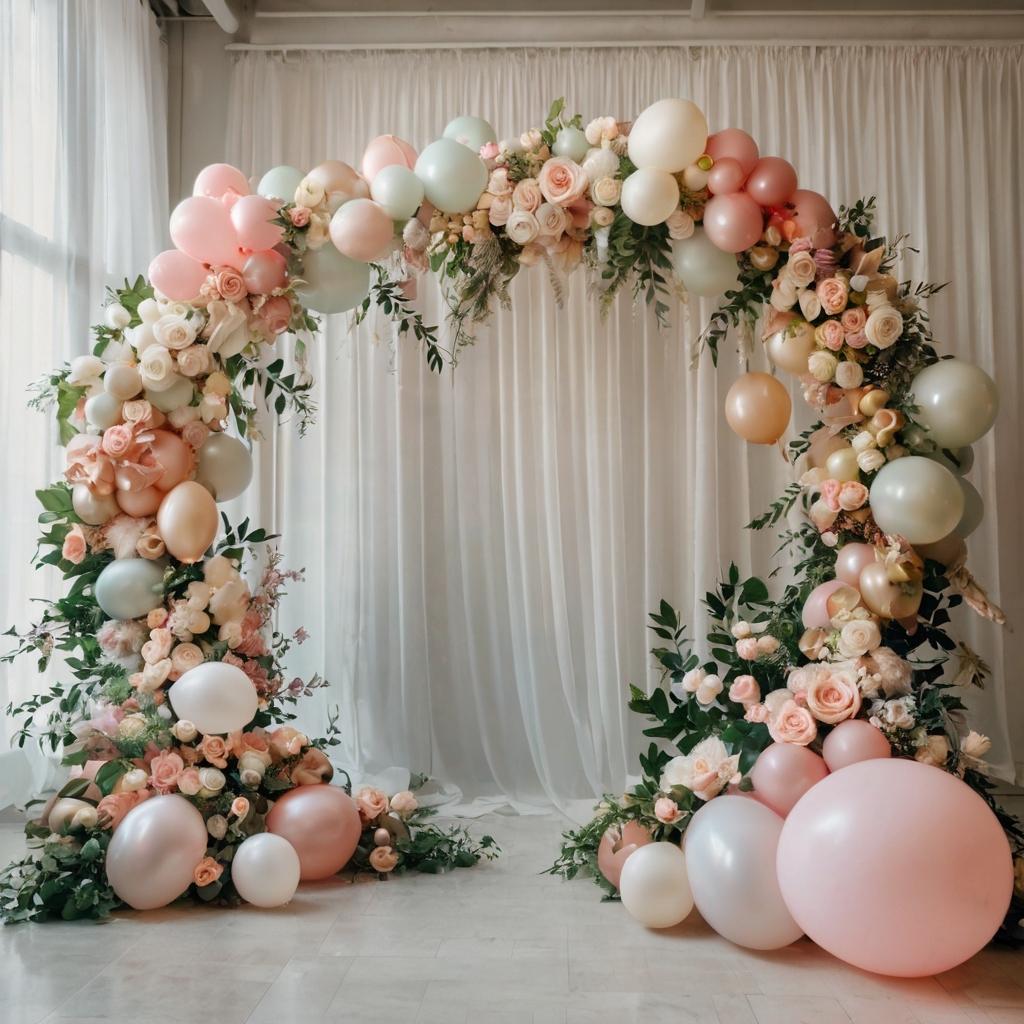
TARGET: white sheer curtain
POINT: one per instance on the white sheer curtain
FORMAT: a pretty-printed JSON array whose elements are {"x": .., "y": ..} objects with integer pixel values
[
  {"x": 482, "y": 548},
  {"x": 83, "y": 204}
]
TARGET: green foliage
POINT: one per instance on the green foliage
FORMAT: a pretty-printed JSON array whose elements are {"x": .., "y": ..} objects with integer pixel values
[
  {"x": 642, "y": 255},
  {"x": 433, "y": 850},
  {"x": 556, "y": 120},
  {"x": 388, "y": 295}
]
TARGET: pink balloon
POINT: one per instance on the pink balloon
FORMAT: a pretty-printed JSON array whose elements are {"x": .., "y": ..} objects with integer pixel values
[
  {"x": 612, "y": 854},
  {"x": 815, "y": 613},
  {"x": 362, "y": 230},
  {"x": 853, "y": 741},
  {"x": 252, "y": 217},
  {"x": 322, "y": 823},
  {"x": 219, "y": 180},
  {"x": 896, "y": 867},
  {"x": 814, "y": 218},
  {"x": 177, "y": 275},
  {"x": 784, "y": 772},
  {"x": 726, "y": 176},
  {"x": 851, "y": 559},
  {"x": 265, "y": 271},
  {"x": 140, "y": 503},
  {"x": 201, "y": 227},
  {"x": 174, "y": 455},
  {"x": 735, "y": 144},
  {"x": 733, "y": 222},
  {"x": 772, "y": 181},
  {"x": 384, "y": 151}
]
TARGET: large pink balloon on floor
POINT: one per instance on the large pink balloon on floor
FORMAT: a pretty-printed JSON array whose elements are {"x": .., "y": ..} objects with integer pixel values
[
  {"x": 784, "y": 772},
  {"x": 814, "y": 218},
  {"x": 219, "y": 180},
  {"x": 611, "y": 859},
  {"x": 322, "y": 823},
  {"x": 896, "y": 867},
  {"x": 253, "y": 218},
  {"x": 735, "y": 144},
  {"x": 734, "y": 222},
  {"x": 177, "y": 275},
  {"x": 854, "y": 741},
  {"x": 772, "y": 181},
  {"x": 384, "y": 151},
  {"x": 202, "y": 227}
]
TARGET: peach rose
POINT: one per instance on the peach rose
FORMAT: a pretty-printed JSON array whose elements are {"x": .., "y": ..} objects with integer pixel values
[
  {"x": 118, "y": 441},
  {"x": 277, "y": 312},
  {"x": 251, "y": 743},
  {"x": 166, "y": 768},
  {"x": 185, "y": 657},
  {"x": 112, "y": 809},
  {"x": 150, "y": 545},
  {"x": 314, "y": 768},
  {"x": 801, "y": 269},
  {"x": 240, "y": 807},
  {"x": 854, "y": 319},
  {"x": 852, "y": 495},
  {"x": 299, "y": 216},
  {"x": 404, "y": 803},
  {"x": 552, "y": 220},
  {"x": 383, "y": 859},
  {"x": 666, "y": 810},
  {"x": 757, "y": 713},
  {"x": 833, "y": 695},
  {"x": 747, "y": 649},
  {"x": 562, "y": 181},
  {"x": 834, "y": 293},
  {"x": 188, "y": 781},
  {"x": 207, "y": 872},
  {"x": 830, "y": 491},
  {"x": 156, "y": 618},
  {"x": 158, "y": 646},
  {"x": 527, "y": 196},
  {"x": 831, "y": 335},
  {"x": 745, "y": 691},
  {"x": 214, "y": 750},
  {"x": 372, "y": 803},
  {"x": 230, "y": 284},
  {"x": 793, "y": 724},
  {"x": 75, "y": 547},
  {"x": 500, "y": 211}
]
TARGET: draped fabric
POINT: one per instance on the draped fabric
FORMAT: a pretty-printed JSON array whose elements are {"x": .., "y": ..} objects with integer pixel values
[{"x": 83, "y": 205}]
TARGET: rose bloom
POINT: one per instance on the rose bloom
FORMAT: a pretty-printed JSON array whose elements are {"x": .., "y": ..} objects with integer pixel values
[
  {"x": 498, "y": 183},
  {"x": 372, "y": 803},
  {"x": 709, "y": 690},
  {"x": 603, "y": 217},
  {"x": 240, "y": 807},
  {"x": 157, "y": 368},
  {"x": 767, "y": 644},
  {"x": 500, "y": 211},
  {"x": 404, "y": 803},
  {"x": 184, "y": 657},
  {"x": 253, "y": 743},
  {"x": 174, "y": 332},
  {"x": 801, "y": 269},
  {"x": 310, "y": 193},
  {"x": 792, "y": 724},
  {"x": 195, "y": 434},
  {"x": 194, "y": 361},
  {"x": 666, "y": 810},
  {"x": 207, "y": 872},
  {"x": 747, "y": 649},
  {"x": 859, "y": 637},
  {"x": 299, "y": 216},
  {"x": 757, "y": 713},
  {"x": 680, "y": 225},
  {"x": 693, "y": 679},
  {"x": 522, "y": 227},
  {"x": 215, "y": 750},
  {"x": 562, "y": 181},
  {"x": 553, "y": 220},
  {"x": 287, "y": 742},
  {"x": 745, "y": 691},
  {"x": 606, "y": 191},
  {"x": 383, "y": 859},
  {"x": 934, "y": 751},
  {"x": 830, "y": 334},
  {"x": 211, "y": 779},
  {"x": 188, "y": 781},
  {"x": 884, "y": 327},
  {"x": 833, "y": 694},
  {"x": 854, "y": 318},
  {"x": 852, "y": 495},
  {"x": 74, "y": 548},
  {"x": 277, "y": 312},
  {"x": 600, "y": 163},
  {"x": 822, "y": 366},
  {"x": 112, "y": 809},
  {"x": 230, "y": 285},
  {"x": 527, "y": 195},
  {"x": 601, "y": 128},
  {"x": 165, "y": 770},
  {"x": 849, "y": 374},
  {"x": 706, "y": 770},
  {"x": 314, "y": 768},
  {"x": 834, "y": 293}
]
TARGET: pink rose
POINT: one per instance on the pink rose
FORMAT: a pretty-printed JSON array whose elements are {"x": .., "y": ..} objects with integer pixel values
[
  {"x": 404, "y": 803},
  {"x": 383, "y": 859},
  {"x": 207, "y": 872},
  {"x": 299, "y": 216},
  {"x": 230, "y": 285},
  {"x": 240, "y": 807},
  {"x": 527, "y": 196},
  {"x": 112, "y": 809},
  {"x": 158, "y": 646},
  {"x": 195, "y": 434},
  {"x": 277, "y": 312},
  {"x": 215, "y": 750},
  {"x": 141, "y": 414},
  {"x": 793, "y": 724},
  {"x": 372, "y": 803},
  {"x": 745, "y": 691},
  {"x": 800, "y": 678},
  {"x": 852, "y": 495},
  {"x": 857, "y": 339},
  {"x": 251, "y": 743},
  {"x": 188, "y": 780},
  {"x": 854, "y": 319},
  {"x": 831, "y": 335},
  {"x": 500, "y": 211},
  {"x": 118, "y": 441},
  {"x": 833, "y": 696},
  {"x": 166, "y": 769},
  {"x": 156, "y": 618},
  {"x": 184, "y": 657},
  {"x": 666, "y": 810},
  {"x": 834, "y": 293},
  {"x": 830, "y": 491},
  {"x": 747, "y": 649},
  {"x": 286, "y": 741},
  {"x": 75, "y": 548},
  {"x": 757, "y": 713},
  {"x": 489, "y": 151},
  {"x": 562, "y": 181}
]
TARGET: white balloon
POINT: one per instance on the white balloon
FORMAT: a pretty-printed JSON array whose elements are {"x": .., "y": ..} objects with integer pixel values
[
  {"x": 731, "y": 847},
  {"x": 974, "y": 509},
  {"x": 129, "y": 588},
  {"x": 649, "y": 197},
  {"x": 654, "y": 886},
  {"x": 265, "y": 870},
  {"x": 958, "y": 402},
  {"x": 668, "y": 136},
  {"x": 224, "y": 467},
  {"x": 215, "y": 697},
  {"x": 703, "y": 267},
  {"x": 964, "y": 458},
  {"x": 122, "y": 381},
  {"x": 917, "y": 499},
  {"x": 103, "y": 410}
]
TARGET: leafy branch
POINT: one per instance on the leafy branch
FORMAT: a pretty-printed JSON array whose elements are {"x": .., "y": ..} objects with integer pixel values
[{"x": 388, "y": 296}]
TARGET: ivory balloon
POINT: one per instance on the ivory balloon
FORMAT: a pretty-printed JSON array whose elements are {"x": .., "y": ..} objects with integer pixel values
[
  {"x": 322, "y": 824},
  {"x": 649, "y": 197},
  {"x": 398, "y": 191},
  {"x": 814, "y": 218},
  {"x": 129, "y": 588},
  {"x": 174, "y": 455},
  {"x": 453, "y": 176},
  {"x": 139, "y": 503},
  {"x": 758, "y": 408},
  {"x": 153, "y": 854},
  {"x": 103, "y": 410},
  {"x": 473, "y": 132},
  {"x": 265, "y": 870},
  {"x": 187, "y": 521},
  {"x": 917, "y": 499},
  {"x": 668, "y": 136},
  {"x": 851, "y": 559},
  {"x": 654, "y": 886},
  {"x": 926, "y": 869},
  {"x": 122, "y": 381},
  {"x": 224, "y": 467},
  {"x": 853, "y": 741},
  {"x": 735, "y": 144},
  {"x": 280, "y": 183},
  {"x": 783, "y": 772},
  {"x": 703, "y": 267},
  {"x": 731, "y": 847},
  {"x": 331, "y": 282},
  {"x": 791, "y": 348},
  {"x": 611, "y": 854},
  {"x": 92, "y": 508},
  {"x": 946, "y": 552},
  {"x": 958, "y": 402},
  {"x": 217, "y": 698},
  {"x": 362, "y": 230},
  {"x": 734, "y": 222},
  {"x": 842, "y": 464},
  {"x": 885, "y": 598},
  {"x": 63, "y": 810},
  {"x": 340, "y": 182},
  {"x": 974, "y": 509}
]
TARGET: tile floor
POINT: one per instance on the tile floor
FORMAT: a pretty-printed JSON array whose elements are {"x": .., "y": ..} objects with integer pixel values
[{"x": 500, "y": 944}]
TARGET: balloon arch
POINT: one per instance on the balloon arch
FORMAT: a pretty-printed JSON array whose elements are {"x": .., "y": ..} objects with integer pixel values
[{"x": 816, "y": 764}]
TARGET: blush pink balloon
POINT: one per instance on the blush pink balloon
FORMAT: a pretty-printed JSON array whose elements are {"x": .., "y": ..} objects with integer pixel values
[
  {"x": 322, "y": 823},
  {"x": 177, "y": 275},
  {"x": 896, "y": 867},
  {"x": 725, "y": 177},
  {"x": 201, "y": 227},
  {"x": 851, "y": 559},
  {"x": 265, "y": 271},
  {"x": 340, "y": 181},
  {"x": 815, "y": 613},
  {"x": 219, "y": 180},
  {"x": 733, "y": 222},
  {"x": 362, "y": 230},
  {"x": 783, "y": 773},
  {"x": 772, "y": 181},
  {"x": 252, "y": 217},
  {"x": 174, "y": 455},
  {"x": 384, "y": 151},
  {"x": 735, "y": 144},
  {"x": 853, "y": 741},
  {"x": 814, "y": 218},
  {"x": 612, "y": 853},
  {"x": 140, "y": 503}
]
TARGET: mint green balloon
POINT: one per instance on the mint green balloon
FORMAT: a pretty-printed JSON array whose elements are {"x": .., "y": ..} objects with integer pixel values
[
  {"x": 332, "y": 283},
  {"x": 571, "y": 142},
  {"x": 129, "y": 588},
  {"x": 453, "y": 175},
  {"x": 473, "y": 132},
  {"x": 703, "y": 267},
  {"x": 280, "y": 183},
  {"x": 398, "y": 191}
]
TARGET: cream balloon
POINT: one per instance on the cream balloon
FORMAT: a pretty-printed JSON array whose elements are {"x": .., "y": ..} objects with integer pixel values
[
  {"x": 265, "y": 870},
  {"x": 649, "y": 197},
  {"x": 217, "y": 698},
  {"x": 916, "y": 499},
  {"x": 187, "y": 521},
  {"x": 129, "y": 588},
  {"x": 758, "y": 408},
  {"x": 883, "y": 597},
  {"x": 842, "y": 465},
  {"x": 103, "y": 410},
  {"x": 122, "y": 381},
  {"x": 177, "y": 393},
  {"x": 791, "y": 348},
  {"x": 958, "y": 402},
  {"x": 668, "y": 136},
  {"x": 654, "y": 886},
  {"x": 63, "y": 811},
  {"x": 703, "y": 267},
  {"x": 974, "y": 509},
  {"x": 225, "y": 466},
  {"x": 93, "y": 509},
  {"x": 153, "y": 855},
  {"x": 851, "y": 559}
]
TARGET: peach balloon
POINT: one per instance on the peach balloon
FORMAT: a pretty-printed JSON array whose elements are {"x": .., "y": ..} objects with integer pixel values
[
  {"x": 726, "y": 176},
  {"x": 93, "y": 509},
  {"x": 187, "y": 521},
  {"x": 265, "y": 271},
  {"x": 782, "y": 774},
  {"x": 174, "y": 455},
  {"x": 362, "y": 230},
  {"x": 140, "y": 503},
  {"x": 734, "y": 144},
  {"x": 322, "y": 823},
  {"x": 791, "y": 348},
  {"x": 734, "y": 222},
  {"x": 895, "y": 867},
  {"x": 384, "y": 151},
  {"x": 851, "y": 559},
  {"x": 885, "y": 598},
  {"x": 253, "y": 218},
  {"x": 814, "y": 218},
  {"x": 612, "y": 854},
  {"x": 758, "y": 407},
  {"x": 853, "y": 741},
  {"x": 946, "y": 551},
  {"x": 772, "y": 181}
]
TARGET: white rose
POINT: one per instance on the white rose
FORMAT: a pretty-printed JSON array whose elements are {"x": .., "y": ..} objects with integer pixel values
[
  {"x": 116, "y": 317},
  {"x": 255, "y": 760},
  {"x": 822, "y": 366},
  {"x": 522, "y": 227},
  {"x": 767, "y": 644},
  {"x": 86, "y": 371},
  {"x": 227, "y": 331},
  {"x": 149, "y": 311},
  {"x": 849, "y": 374},
  {"x": 600, "y": 163},
  {"x": 174, "y": 308},
  {"x": 157, "y": 368},
  {"x": 801, "y": 269},
  {"x": 709, "y": 689},
  {"x": 184, "y": 730},
  {"x": 693, "y": 680},
  {"x": 741, "y": 630},
  {"x": 858, "y": 637},
  {"x": 194, "y": 361},
  {"x": 249, "y": 777},
  {"x": 784, "y": 297},
  {"x": 551, "y": 219},
  {"x": 310, "y": 193},
  {"x": 884, "y": 327},
  {"x": 680, "y": 225},
  {"x": 870, "y": 459},
  {"x": 975, "y": 745},
  {"x": 134, "y": 780},
  {"x": 212, "y": 779},
  {"x": 606, "y": 191},
  {"x": 216, "y": 824},
  {"x": 810, "y": 304}
]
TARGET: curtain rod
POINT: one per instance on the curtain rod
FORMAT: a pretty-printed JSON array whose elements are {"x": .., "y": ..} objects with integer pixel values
[{"x": 631, "y": 45}]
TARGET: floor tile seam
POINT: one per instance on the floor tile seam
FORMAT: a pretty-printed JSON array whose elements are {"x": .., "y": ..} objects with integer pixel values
[{"x": 334, "y": 991}]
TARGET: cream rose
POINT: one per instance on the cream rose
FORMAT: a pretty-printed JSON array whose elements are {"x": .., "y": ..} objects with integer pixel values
[
  {"x": 606, "y": 191},
  {"x": 175, "y": 332},
  {"x": 858, "y": 637},
  {"x": 709, "y": 689},
  {"x": 849, "y": 374},
  {"x": 498, "y": 183},
  {"x": 211, "y": 779},
  {"x": 767, "y": 644},
  {"x": 184, "y": 657},
  {"x": 706, "y": 770},
  {"x": 792, "y": 724},
  {"x": 527, "y": 195},
  {"x": 801, "y": 269},
  {"x": 810, "y": 305},
  {"x": 404, "y": 803},
  {"x": 194, "y": 361},
  {"x": 562, "y": 181},
  {"x": 822, "y": 366},
  {"x": 157, "y": 368},
  {"x": 552, "y": 220},
  {"x": 310, "y": 193},
  {"x": 522, "y": 227},
  {"x": 680, "y": 225},
  {"x": 934, "y": 751},
  {"x": 184, "y": 731},
  {"x": 693, "y": 679},
  {"x": 833, "y": 694},
  {"x": 870, "y": 459},
  {"x": 884, "y": 327},
  {"x": 500, "y": 211},
  {"x": 603, "y": 218}
]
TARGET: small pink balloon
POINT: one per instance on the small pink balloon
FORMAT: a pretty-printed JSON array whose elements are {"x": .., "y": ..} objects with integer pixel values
[
  {"x": 140, "y": 503},
  {"x": 814, "y": 218},
  {"x": 852, "y": 741},
  {"x": 815, "y": 613},
  {"x": 384, "y": 151},
  {"x": 733, "y": 222},
  {"x": 322, "y": 823},
  {"x": 725, "y": 177},
  {"x": 174, "y": 455},
  {"x": 177, "y": 275},
  {"x": 201, "y": 227},
  {"x": 220, "y": 180},
  {"x": 735, "y": 144},
  {"x": 612, "y": 853},
  {"x": 362, "y": 230},
  {"x": 253, "y": 218},
  {"x": 265, "y": 271},
  {"x": 851, "y": 559},
  {"x": 772, "y": 181},
  {"x": 782, "y": 774}
]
